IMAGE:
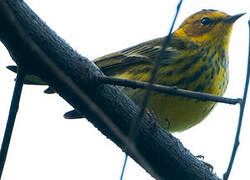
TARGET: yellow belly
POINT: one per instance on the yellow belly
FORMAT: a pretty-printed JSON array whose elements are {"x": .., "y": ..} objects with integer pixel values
[{"x": 177, "y": 113}]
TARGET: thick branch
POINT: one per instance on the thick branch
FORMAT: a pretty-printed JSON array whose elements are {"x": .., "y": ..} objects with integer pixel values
[{"x": 35, "y": 47}]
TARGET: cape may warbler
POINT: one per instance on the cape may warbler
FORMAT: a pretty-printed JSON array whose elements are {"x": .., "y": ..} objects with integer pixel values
[{"x": 196, "y": 59}]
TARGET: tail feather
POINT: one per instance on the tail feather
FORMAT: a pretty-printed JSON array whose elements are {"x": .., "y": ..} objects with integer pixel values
[{"x": 29, "y": 78}]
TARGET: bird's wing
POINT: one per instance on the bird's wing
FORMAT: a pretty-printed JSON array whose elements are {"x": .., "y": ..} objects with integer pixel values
[{"x": 144, "y": 53}]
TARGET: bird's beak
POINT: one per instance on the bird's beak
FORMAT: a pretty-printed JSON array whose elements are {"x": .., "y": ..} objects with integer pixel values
[{"x": 232, "y": 19}]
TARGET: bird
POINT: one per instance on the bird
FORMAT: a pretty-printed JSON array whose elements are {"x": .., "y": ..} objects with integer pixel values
[{"x": 196, "y": 59}]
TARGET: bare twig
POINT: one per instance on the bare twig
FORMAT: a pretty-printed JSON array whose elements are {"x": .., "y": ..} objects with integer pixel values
[
  {"x": 242, "y": 107},
  {"x": 124, "y": 166},
  {"x": 11, "y": 119},
  {"x": 132, "y": 132},
  {"x": 168, "y": 90}
]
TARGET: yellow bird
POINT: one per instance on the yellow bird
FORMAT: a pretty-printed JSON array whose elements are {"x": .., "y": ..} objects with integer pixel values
[{"x": 196, "y": 59}]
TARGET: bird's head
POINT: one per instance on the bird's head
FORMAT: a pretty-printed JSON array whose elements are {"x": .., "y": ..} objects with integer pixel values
[{"x": 208, "y": 26}]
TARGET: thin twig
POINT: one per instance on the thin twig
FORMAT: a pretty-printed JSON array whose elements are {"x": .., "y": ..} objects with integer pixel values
[
  {"x": 124, "y": 165},
  {"x": 132, "y": 132},
  {"x": 11, "y": 119},
  {"x": 242, "y": 107},
  {"x": 168, "y": 90}
]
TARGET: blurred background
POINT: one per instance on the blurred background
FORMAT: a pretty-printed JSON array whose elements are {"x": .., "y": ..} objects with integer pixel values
[{"x": 47, "y": 146}]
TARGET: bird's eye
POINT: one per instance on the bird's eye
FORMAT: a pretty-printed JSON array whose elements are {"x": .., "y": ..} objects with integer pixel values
[{"x": 206, "y": 21}]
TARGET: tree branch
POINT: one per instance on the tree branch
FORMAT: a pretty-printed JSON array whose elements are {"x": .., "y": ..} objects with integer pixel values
[
  {"x": 168, "y": 90},
  {"x": 38, "y": 50},
  {"x": 242, "y": 108},
  {"x": 11, "y": 118}
]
